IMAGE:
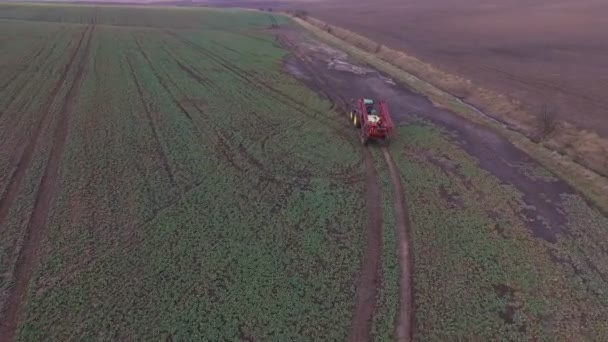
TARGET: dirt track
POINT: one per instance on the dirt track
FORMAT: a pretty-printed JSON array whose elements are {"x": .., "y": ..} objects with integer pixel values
[{"x": 334, "y": 75}]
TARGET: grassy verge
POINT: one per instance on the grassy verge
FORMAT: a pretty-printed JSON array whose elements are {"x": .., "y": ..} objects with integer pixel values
[{"x": 591, "y": 184}]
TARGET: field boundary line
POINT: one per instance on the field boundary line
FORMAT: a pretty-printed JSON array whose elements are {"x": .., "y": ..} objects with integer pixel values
[{"x": 587, "y": 182}]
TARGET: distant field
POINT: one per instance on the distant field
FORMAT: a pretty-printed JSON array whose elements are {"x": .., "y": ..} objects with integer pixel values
[
  {"x": 550, "y": 52},
  {"x": 150, "y": 185}
]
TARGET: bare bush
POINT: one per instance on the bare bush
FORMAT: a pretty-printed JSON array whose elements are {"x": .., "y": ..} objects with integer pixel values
[
  {"x": 547, "y": 121},
  {"x": 302, "y": 14}
]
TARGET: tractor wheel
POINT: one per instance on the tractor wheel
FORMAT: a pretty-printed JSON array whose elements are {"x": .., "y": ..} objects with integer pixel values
[{"x": 356, "y": 121}]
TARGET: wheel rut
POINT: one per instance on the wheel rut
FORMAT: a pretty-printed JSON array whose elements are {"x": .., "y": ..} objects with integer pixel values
[
  {"x": 405, "y": 319},
  {"x": 12, "y": 190},
  {"x": 153, "y": 126},
  {"x": 369, "y": 278},
  {"x": 249, "y": 78},
  {"x": 37, "y": 224}
]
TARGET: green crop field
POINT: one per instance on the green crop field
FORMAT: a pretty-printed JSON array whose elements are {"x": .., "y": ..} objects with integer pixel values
[{"x": 163, "y": 178}]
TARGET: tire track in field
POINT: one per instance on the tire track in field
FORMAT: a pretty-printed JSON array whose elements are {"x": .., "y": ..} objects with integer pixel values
[
  {"x": 220, "y": 140},
  {"x": 159, "y": 145},
  {"x": 20, "y": 138},
  {"x": 28, "y": 60},
  {"x": 223, "y": 139},
  {"x": 37, "y": 224},
  {"x": 272, "y": 129},
  {"x": 369, "y": 278},
  {"x": 256, "y": 83},
  {"x": 245, "y": 94},
  {"x": 233, "y": 155},
  {"x": 405, "y": 319},
  {"x": 44, "y": 59},
  {"x": 198, "y": 76},
  {"x": 269, "y": 127},
  {"x": 28, "y": 80},
  {"x": 161, "y": 81},
  {"x": 208, "y": 83},
  {"x": 12, "y": 190},
  {"x": 253, "y": 81}
]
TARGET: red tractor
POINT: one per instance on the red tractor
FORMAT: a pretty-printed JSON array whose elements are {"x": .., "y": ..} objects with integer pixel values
[{"x": 373, "y": 119}]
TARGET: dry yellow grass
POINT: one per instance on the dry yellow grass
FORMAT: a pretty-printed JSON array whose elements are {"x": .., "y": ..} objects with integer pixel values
[{"x": 577, "y": 156}]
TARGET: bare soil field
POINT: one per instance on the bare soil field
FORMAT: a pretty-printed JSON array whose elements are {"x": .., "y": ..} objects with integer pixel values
[{"x": 549, "y": 52}]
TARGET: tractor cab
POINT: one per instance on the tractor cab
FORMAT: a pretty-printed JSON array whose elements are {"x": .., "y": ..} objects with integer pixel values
[{"x": 373, "y": 116}]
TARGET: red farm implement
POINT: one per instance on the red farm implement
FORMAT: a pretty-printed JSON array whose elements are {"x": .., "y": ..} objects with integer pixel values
[{"x": 373, "y": 120}]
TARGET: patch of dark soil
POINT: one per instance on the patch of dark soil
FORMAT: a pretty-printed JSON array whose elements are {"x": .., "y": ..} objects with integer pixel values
[
  {"x": 453, "y": 200},
  {"x": 499, "y": 224},
  {"x": 244, "y": 336},
  {"x": 504, "y": 291},
  {"x": 513, "y": 305},
  {"x": 508, "y": 314}
]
